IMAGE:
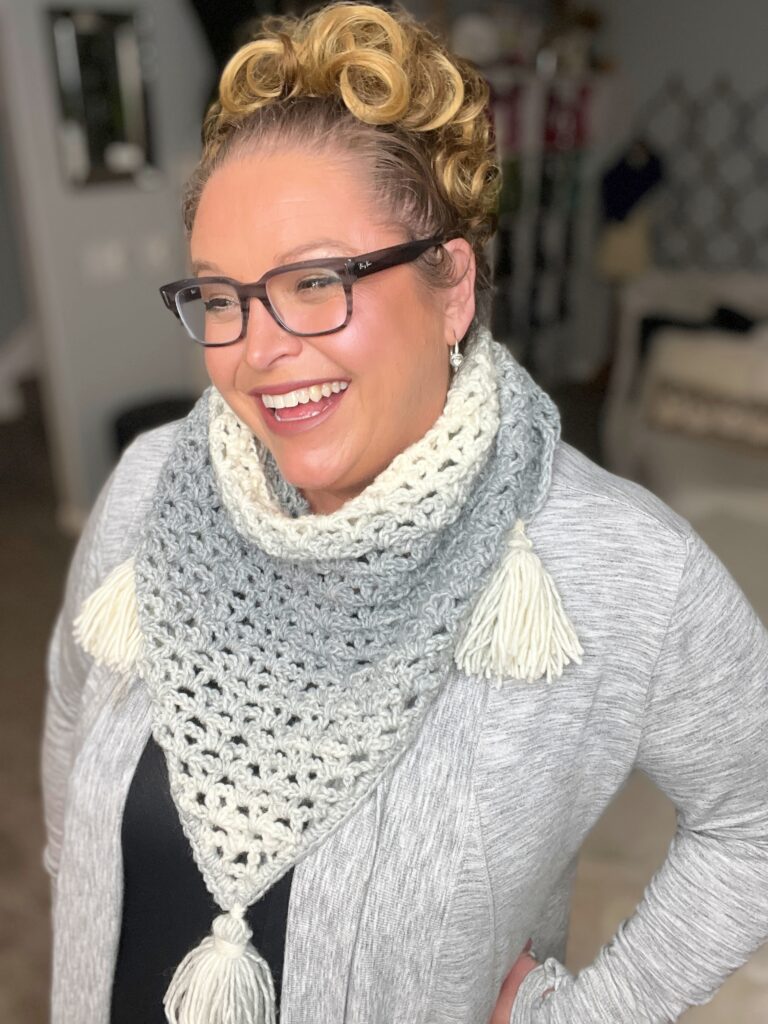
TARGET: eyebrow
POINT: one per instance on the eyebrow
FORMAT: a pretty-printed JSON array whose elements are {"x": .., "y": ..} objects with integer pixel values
[
  {"x": 199, "y": 265},
  {"x": 288, "y": 256}
]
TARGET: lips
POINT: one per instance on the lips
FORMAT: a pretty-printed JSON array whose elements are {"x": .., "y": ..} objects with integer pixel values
[
  {"x": 291, "y": 385},
  {"x": 299, "y": 418}
]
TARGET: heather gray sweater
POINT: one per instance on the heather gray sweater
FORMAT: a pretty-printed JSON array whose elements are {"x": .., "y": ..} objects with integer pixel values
[{"x": 415, "y": 909}]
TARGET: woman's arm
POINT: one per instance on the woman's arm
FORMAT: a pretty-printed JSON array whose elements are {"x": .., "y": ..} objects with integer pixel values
[
  {"x": 107, "y": 540},
  {"x": 67, "y": 667},
  {"x": 705, "y": 744}
]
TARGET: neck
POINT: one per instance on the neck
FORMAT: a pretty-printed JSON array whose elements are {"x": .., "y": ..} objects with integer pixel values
[{"x": 323, "y": 503}]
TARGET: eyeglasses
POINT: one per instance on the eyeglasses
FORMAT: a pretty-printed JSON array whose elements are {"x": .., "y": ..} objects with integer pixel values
[{"x": 310, "y": 298}]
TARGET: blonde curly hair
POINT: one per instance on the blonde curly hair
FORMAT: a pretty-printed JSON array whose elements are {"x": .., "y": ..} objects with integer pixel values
[{"x": 381, "y": 86}]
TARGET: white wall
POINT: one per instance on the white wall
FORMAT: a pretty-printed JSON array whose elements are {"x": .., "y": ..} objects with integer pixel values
[{"x": 98, "y": 254}]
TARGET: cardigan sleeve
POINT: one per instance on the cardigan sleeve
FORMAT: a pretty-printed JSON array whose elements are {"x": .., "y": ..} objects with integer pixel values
[
  {"x": 67, "y": 669},
  {"x": 705, "y": 911},
  {"x": 106, "y": 541}
]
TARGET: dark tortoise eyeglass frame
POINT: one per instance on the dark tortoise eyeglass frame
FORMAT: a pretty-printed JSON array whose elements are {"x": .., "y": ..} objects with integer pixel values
[{"x": 349, "y": 269}]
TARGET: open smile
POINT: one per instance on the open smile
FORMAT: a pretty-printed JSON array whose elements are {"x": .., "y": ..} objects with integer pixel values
[{"x": 300, "y": 409}]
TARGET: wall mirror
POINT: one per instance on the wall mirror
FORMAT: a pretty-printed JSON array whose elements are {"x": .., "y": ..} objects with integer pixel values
[{"x": 104, "y": 130}]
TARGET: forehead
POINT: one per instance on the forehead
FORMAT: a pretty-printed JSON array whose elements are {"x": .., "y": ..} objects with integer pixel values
[{"x": 255, "y": 208}]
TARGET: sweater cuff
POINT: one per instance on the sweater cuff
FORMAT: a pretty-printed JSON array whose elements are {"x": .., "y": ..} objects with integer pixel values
[{"x": 531, "y": 996}]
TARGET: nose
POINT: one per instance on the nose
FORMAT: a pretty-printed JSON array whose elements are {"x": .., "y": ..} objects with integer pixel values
[{"x": 266, "y": 341}]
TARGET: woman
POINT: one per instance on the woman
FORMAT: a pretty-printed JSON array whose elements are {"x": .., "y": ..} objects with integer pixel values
[{"x": 353, "y": 657}]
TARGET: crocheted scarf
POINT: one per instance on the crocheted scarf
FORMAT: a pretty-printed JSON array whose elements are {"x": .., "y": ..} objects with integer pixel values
[{"x": 291, "y": 658}]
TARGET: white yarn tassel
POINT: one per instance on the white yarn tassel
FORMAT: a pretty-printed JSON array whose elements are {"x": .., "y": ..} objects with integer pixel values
[
  {"x": 223, "y": 980},
  {"x": 518, "y": 627},
  {"x": 108, "y": 624}
]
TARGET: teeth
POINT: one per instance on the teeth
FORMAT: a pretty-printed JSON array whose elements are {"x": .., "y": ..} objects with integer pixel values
[{"x": 304, "y": 395}]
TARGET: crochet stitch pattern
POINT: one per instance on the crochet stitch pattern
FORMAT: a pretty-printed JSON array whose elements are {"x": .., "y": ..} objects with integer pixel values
[
  {"x": 291, "y": 658},
  {"x": 420, "y": 486}
]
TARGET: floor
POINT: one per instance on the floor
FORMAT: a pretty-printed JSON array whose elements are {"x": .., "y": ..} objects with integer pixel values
[{"x": 617, "y": 861}]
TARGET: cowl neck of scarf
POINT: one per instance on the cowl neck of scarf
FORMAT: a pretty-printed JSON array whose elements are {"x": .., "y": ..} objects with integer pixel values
[{"x": 290, "y": 658}]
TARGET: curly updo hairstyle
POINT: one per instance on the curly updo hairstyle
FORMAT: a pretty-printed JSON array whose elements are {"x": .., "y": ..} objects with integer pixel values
[{"x": 380, "y": 87}]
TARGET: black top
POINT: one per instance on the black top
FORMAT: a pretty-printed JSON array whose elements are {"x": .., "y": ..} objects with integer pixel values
[{"x": 167, "y": 909}]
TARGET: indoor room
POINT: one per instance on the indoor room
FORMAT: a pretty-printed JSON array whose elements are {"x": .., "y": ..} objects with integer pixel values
[{"x": 615, "y": 272}]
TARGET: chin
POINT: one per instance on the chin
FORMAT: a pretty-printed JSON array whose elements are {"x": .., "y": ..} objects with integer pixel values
[{"x": 309, "y": 476}]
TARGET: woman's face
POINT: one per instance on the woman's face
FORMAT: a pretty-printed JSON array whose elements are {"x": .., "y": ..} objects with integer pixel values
[{"x": 257, "y": 212}]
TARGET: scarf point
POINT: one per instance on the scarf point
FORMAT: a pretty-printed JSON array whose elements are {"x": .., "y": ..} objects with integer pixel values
[
  {"x": 518, "y": 628},
  {"x": 107, "y": 627}
]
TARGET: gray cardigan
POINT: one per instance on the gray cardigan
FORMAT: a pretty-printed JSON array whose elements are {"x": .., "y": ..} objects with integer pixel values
[{"x": 413, "y": 911}]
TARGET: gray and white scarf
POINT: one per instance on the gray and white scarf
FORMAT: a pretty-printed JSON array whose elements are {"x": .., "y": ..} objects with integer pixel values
[{"x": 291, "y": 658}]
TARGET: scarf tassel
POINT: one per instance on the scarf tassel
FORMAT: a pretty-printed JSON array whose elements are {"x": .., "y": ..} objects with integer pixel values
[
  {"x": 518, "y": 627},
  {"x": 108, "y": 624},
  {"x": 223, "y": 980}
]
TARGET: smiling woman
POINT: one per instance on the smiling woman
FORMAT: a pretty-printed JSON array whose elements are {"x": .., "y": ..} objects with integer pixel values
[
  {"x": 392, "y": 353},
  {"x": 325, "y": 733},
  {"x": 325, "y": 136}
]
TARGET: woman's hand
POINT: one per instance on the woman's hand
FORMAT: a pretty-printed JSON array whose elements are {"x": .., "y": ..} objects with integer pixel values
[{"x": 522, "y": 966}]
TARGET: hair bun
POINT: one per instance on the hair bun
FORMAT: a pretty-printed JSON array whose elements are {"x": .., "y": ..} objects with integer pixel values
[
  {"x": 381, "y": 69},
  {"x": 385, "y": 68}
]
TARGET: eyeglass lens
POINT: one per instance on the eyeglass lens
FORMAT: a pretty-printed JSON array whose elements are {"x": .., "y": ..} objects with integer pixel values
[{"x": 308, "y": 301}]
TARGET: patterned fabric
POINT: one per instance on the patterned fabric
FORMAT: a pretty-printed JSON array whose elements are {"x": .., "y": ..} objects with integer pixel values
[{"x": 290, "y": 658}]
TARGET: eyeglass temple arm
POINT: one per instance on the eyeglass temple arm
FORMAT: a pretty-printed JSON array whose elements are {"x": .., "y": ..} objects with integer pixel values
[{"x": 390, "y": 257}]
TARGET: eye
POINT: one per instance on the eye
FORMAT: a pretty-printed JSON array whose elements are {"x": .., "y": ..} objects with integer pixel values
[
  {"x": 317, "y": 283},
  {"x": 218, "y": 302}
]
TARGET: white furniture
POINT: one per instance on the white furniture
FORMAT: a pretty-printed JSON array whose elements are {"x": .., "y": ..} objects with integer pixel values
[{"x": 719, "y": 486}]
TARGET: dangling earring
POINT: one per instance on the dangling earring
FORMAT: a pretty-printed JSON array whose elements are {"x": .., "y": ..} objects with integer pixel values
[{"x": 456, "y": 357}]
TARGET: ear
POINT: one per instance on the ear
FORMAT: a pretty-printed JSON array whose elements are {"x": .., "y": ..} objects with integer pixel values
[{"x": 459, "y": 297}]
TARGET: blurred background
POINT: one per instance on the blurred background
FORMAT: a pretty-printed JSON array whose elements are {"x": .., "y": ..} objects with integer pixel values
[{"x": 631, "y": 280}]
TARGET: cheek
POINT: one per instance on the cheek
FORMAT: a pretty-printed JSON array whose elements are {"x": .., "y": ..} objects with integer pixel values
[
  {"x": 395, "y": 361},
  {"x": 221, "y": 366},
  {"x": 399, "y": 349}
]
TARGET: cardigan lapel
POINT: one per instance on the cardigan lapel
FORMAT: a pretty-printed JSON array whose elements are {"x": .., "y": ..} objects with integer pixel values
[
  {"x": 367, "y": 906},
  {"x": 114, "y": 728},
  {"x": 327, "y": 896}
]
